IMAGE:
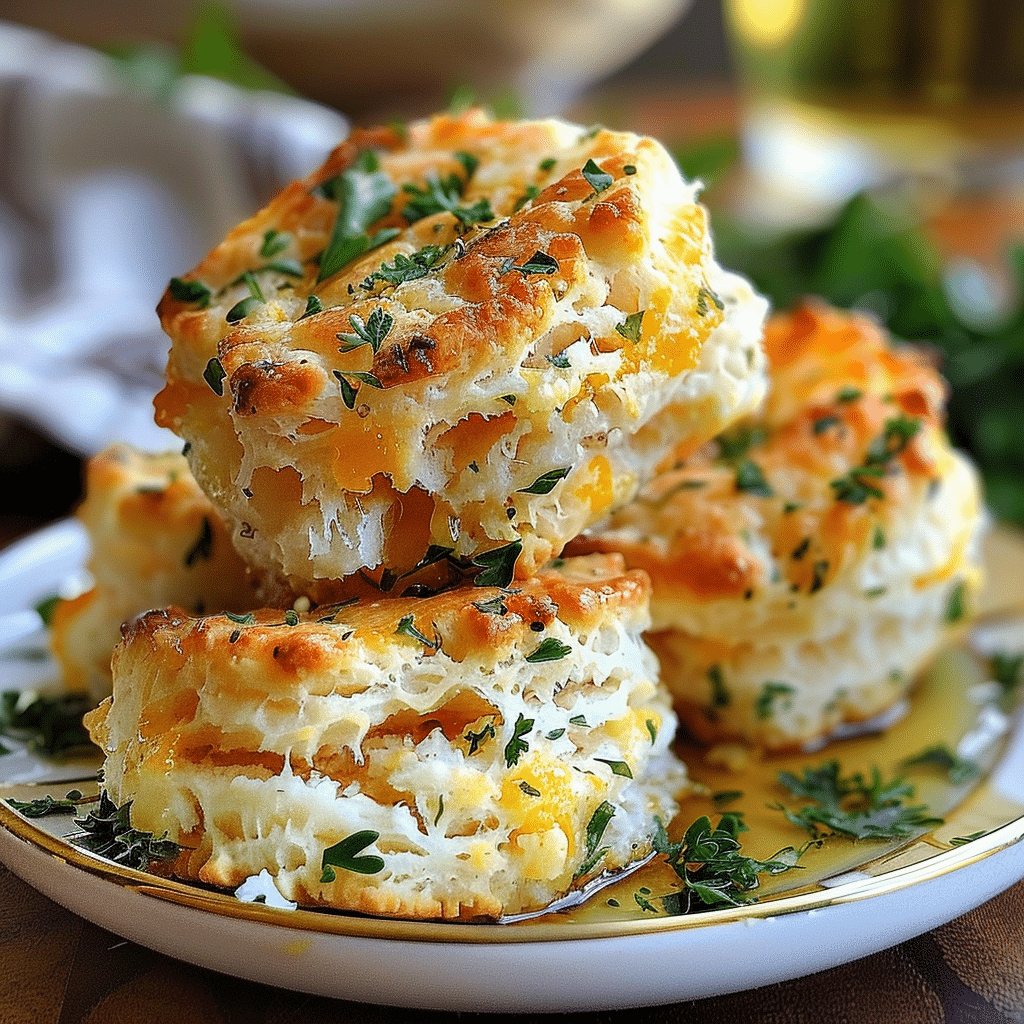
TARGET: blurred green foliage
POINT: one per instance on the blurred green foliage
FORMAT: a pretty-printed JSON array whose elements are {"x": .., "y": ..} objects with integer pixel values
[
  {"x": 211, "y": 47},
  {"x": 872, "y": 256}
]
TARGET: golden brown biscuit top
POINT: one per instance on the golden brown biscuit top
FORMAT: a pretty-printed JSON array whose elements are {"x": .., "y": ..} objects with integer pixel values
[
  {"x": 482, "y": 622},
  {"x": 466, "y": 239},
  {"x": 849, "y": 438}
]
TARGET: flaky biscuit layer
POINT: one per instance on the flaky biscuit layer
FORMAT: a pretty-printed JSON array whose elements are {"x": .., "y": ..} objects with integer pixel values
[
  {"x": 155, "y": 540},
  {"x": 808, "y": 563},
  {"x": 521, "y": 300},
  {"x": 493, "y": 749}
]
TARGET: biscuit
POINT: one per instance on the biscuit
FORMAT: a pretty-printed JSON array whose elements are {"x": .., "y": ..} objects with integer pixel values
[
  {"x": 490, "y": 750},
  {"x": 808, "y": 563},
  {"x": 468, "y": 336},
  {"x": 155, "y": 540}
]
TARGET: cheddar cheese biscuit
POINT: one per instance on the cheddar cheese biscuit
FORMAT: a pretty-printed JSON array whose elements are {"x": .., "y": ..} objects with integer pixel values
[
  {"x": 473, "y": 754},
  {"x": 155, "y": 540},
  {"x": 469, "y": 337},
  {"x": 808, "y": 563}
]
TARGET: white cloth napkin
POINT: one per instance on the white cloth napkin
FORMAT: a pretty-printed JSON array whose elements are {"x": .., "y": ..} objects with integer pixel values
[{"x": 104, "y": 196}]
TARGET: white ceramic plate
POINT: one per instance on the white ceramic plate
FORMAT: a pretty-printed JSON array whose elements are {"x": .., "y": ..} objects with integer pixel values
[{"x": 848, "y": 902}]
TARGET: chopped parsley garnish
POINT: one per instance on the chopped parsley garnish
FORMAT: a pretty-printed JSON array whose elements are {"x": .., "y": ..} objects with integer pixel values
[
  {"x": 442, "y": 195},
  {"x": 750, "y": 479},
  {"x": 408, "y": 268},
  {"x": 734, "y": 444},
  {"x": 345, "y": 855},
  {"x": 493, "y": 606},
  {"x": 476, "y": 739},
  {"x": 190, "y": 291},
  {"x": 878, "y": 539},
  {"x": 593, "y": 851},
  {"x": 531, "y": 193},
  {"x": 109, "y": 833},
  {"x": 956, "y": 603},
  {"x": 726, "y": 796},
  {"x": 597, "y": 179},
  {"x": 44, "y": 806},
  {"x": 773, "y": 697},
  {"x": 819, "y": 574},
  {"x": 704, "y": 296},
  {"x": 964, "y": 840},
  {"x": 719, "y": 694},
  {"x": 497, "y": 565},
  {"x": 856, "y": 486},
  {"x": 46, "y": 607},
  {"x": 896, "y": 434},
  {"x": 854, "y": 489},
  {"x": 274, "y": 242},
  {"x": 214, "y": 376},
  {"x": 363, "y": 194},
  {"x": 857, "y": 806},
  {"x": 517, "y": 746},
  {"x": 1006, "y": 669},
  {"x": 313, "y": 306},
  {"x": 550, "y": 649},
  {"x": 710, "y": 864},
  {"x": 617, "y": 767},
  {"x": 956, "y": 768},
  {"x": 545, "y": 483},
  {"x": 848, "y": 394},
  {"x": 407, "y": 627},
  {"x": 631, "y": 327},
  {"x": 538, "y": 263},
  {"x": 555, "y": 734},
  {"x": 547, "y": 163},
  {"x": 652, "y": 731},
  {"x": 350, "y": 391},
  {"x": 822, "y": 423},
  {"x": 561, "y": 360},
  {"x": 241, "y": 309},
  {"x": 370, "y": 332}
]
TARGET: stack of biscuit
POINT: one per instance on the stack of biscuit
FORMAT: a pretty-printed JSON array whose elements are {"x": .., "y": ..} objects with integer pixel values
[
  {"x": 449, "y": 405},
  {"x": 404, "y": 386}
]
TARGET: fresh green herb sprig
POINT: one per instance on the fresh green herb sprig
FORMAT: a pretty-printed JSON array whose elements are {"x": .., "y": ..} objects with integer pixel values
[
  {"x": 593, "y": 850},
  {"x": 363, "y": 193},
  {"x": 858, "y": 806},
  {"x": 108, "y": 833},
  {"x": 43, "y": 807},
  {"x": 709, "y": 861},
  {"x": 443, "y": 195},
  {"x": 347, "y": 855},
  {"x": 407, "y": 268}
]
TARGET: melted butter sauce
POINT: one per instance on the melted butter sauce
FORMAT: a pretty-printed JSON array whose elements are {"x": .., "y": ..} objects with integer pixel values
[{"x": 953, "y": 705}]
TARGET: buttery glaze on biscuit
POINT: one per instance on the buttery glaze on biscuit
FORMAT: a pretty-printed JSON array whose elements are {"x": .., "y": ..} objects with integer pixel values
[
  {"x": 455, "y": 337},
  {"x": 809, "y": 562},
  {"x": 494, "y": 749}
]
